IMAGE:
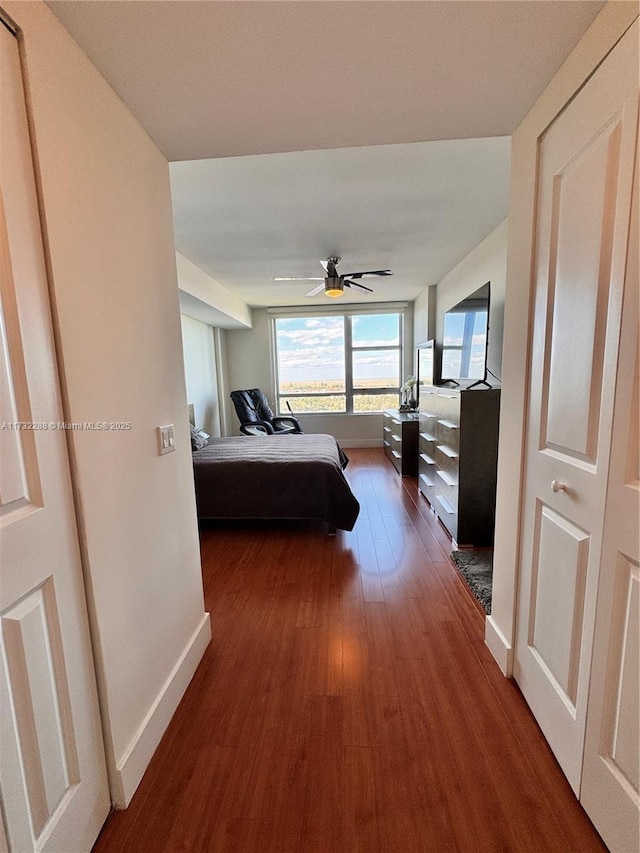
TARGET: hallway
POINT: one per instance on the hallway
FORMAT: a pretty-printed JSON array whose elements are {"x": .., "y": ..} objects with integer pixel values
[{"x": 347, "y": 703}]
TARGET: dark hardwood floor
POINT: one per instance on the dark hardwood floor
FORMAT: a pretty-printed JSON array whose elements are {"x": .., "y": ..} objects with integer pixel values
[{"x": 348, "y": 704}]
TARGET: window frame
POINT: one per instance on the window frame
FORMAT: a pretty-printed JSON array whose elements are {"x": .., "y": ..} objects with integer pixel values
[{"x": 350, "y": 392}]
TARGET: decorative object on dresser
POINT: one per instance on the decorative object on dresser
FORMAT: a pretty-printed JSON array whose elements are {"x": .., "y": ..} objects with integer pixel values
[
  {"x": 458, "y": 456},
  {"x": 400, "y": 440},
  {"x": 409, "y": 399}
]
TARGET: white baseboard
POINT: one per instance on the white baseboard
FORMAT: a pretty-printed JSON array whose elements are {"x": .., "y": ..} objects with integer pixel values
[
  {"x": 131, "y": 768},
  {"x": 359, "y": 442},
  {"x": 499, "y": 647}
]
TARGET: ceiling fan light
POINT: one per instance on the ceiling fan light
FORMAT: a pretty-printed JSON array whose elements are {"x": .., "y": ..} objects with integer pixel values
[{"x": 333, "y": 287}]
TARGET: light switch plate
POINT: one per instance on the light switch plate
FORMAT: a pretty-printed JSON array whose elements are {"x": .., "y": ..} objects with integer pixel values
[{"x": 166, "y": 439}]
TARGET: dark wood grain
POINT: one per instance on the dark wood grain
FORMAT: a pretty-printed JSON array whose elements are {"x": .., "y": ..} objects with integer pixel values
[{"x": 348, "y": 704}]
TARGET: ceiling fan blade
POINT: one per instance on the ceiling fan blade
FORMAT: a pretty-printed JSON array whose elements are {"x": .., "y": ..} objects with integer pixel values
[
  {"x": 368, "y": 272},
  {"x": 298, "y": 278},
  {"x": 315, "y": 290},
  {"x": 355, "y": 284},
  {"x": 324, "y": 265}
]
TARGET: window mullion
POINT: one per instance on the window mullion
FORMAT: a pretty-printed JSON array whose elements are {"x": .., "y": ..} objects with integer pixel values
[{"x": 348, "y": 366}]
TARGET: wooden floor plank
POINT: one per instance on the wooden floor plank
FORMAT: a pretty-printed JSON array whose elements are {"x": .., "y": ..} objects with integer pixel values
[{"x": 348, "y": 703}]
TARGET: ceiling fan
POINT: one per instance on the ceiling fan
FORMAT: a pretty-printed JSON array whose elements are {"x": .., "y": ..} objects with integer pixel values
[{"x": 333, "y": 283}]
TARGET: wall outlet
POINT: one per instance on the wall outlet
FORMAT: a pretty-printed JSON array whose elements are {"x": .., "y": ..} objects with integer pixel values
[{"x": 166, "y": 439}]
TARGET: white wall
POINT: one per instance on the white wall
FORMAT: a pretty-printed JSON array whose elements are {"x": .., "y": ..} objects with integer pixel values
[
  {"x": 250, "y": 365},
  {"x": 205, "y": 299},
  {"x": 227, "y": 418},
  {"x": 487, "y": 262},
  {"x": 198, "y": 349},
  {"x": 424, "y": 315},
  {"x": 109, "y": 237}
]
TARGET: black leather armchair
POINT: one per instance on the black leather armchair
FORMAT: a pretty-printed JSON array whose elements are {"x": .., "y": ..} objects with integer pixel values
[{"x": 256, "y": 417}]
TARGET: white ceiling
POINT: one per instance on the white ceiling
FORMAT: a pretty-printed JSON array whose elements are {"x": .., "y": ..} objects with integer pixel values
[
  {"x": 415, "y": 209},
  {"x": 223, "y": 78}
]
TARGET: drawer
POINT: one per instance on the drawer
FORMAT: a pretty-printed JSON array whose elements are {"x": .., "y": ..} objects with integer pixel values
[
  {"x": 428, "y": 437},
  {"x": 428, "y": 401},
  {"x": 427, "y": 479},
  {"x": 447, "y": 462},
  {"x": 447, "y": 478},
  {"x": 426, "y": 488},
  {"x": 390, "y": 454},
  {"x": 447, "y": 514},
  {"x": 448, "y": 434},
  {"x": 427, "y": 427},
  {"x": 449, "y": 406},
  {"x": 425, "y": 456},
  {"x": 427, "y": 432},
  {"x": 396, "y": 458}
]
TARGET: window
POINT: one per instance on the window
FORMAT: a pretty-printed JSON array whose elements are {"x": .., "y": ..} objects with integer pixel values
[{"x": 338, "y": 363}]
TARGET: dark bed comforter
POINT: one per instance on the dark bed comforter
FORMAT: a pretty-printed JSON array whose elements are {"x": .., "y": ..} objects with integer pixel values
[{"x": 283, "y": 476}]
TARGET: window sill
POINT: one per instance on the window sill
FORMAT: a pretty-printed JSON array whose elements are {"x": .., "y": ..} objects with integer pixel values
[{"x": 336, "y": 414}]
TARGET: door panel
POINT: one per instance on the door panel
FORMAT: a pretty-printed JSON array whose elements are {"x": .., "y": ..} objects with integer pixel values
[
  {"x": 53, "y": 784},
  {"x": 584, "y": 186},
  {"x": 610, "y": 785},
  {"x": 622, "y": 732},
  {"x": 37, "y": 684},
  {"x": 19, "y": 476},
  {"x": 578, "y": 293},
  {"x": 560, "y": 567}
]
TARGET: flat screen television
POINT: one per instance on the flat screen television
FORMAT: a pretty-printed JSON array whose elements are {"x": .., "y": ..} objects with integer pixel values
[
  {"x": 465, "y": 339},
  {"x": 426, "y": 362}
]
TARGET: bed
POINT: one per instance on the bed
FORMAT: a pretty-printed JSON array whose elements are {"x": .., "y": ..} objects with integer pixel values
[{"x": 275, "y": 476}]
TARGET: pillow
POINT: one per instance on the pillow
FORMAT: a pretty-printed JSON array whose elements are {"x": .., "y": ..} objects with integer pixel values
[{"x": 198, "y": 440}]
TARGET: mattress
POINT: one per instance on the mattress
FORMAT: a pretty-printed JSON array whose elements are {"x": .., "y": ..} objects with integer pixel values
[{"x": 293, "y": 476}]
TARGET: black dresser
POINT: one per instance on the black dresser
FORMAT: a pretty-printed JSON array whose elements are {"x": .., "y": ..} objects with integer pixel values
[
  {"x": 400, "y": 440},
  {"x": 458, "y": 457}
]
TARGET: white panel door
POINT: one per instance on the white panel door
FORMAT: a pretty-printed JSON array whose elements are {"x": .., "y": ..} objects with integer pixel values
[
  {"x": 610, "y": 789},
  {"x": 583, "y": 205},
  {"x": 53, "y": 782}
]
